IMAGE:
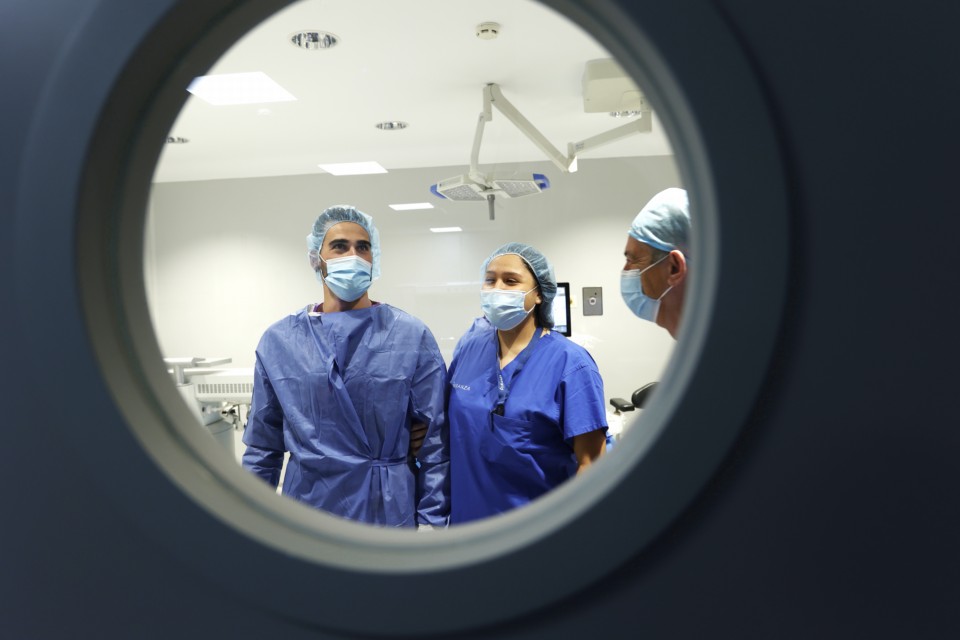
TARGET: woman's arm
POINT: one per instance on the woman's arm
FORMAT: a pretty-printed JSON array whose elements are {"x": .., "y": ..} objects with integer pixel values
[{"x": 588, "y": 447}]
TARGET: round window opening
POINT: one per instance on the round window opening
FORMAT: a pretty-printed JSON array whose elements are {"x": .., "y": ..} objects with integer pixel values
[
  {"x": 217, "y": 277},
  {"x": 494, "y": 151}
]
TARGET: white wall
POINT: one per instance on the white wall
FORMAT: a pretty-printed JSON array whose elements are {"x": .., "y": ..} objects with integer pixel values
[{"x": 224, "y": 259}]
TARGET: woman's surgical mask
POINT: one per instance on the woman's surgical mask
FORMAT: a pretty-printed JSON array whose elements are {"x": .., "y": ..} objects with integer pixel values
[
  {"x": 631, "y": 288},
  {"x": 348, "y": 277},
  {"x": 504, "y": 308}
]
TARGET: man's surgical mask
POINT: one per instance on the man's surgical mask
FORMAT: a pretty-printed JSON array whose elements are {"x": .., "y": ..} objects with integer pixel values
[
  {"x": 348, "y": 277},
  {"x": 631, "y": 288},
  {"x": 504, "y": 307}
]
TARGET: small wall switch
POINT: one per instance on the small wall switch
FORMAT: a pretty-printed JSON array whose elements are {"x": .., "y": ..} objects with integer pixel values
[{"x": 593, "y": 301}]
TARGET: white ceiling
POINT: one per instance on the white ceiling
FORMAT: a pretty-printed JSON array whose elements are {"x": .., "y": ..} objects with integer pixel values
[{"x": 418, "y": 61}]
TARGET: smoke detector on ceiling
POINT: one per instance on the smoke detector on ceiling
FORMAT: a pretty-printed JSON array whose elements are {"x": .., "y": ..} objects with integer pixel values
[
  {"x": 488, "y": 30},
  {"x": 314, "y": 40},
  {"x": 391, "y": 125}
]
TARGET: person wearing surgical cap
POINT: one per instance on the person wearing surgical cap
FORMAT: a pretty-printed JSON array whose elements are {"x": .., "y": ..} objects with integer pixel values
[
  {"x": 354, "y": 391},
  {"x": 654, "y": 277},
  {"x": 526, "y": 405}
]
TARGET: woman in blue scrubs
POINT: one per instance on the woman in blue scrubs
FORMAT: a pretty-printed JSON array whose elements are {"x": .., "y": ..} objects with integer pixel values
[{"x": 526, "y": 405}]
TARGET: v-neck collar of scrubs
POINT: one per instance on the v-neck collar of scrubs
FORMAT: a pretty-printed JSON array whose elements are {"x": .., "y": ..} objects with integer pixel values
[{"x": 506, "y": 375}]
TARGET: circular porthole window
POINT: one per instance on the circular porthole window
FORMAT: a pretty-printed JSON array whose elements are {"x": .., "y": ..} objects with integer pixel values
[{"x": 326, "y": 570}]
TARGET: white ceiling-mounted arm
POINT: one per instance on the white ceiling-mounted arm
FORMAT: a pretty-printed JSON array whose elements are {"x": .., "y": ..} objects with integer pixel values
[
  {"x": 493, "y": 95},
  {"x": 642, "y": 125},
  {"x": 568, "y": 164},
  {"x": 476, "y": 186},
  {"x": 485, "y": 117}
]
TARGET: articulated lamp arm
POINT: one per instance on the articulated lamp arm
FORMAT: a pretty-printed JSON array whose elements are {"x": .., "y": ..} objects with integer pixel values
[{"x": 492, "y": 95}]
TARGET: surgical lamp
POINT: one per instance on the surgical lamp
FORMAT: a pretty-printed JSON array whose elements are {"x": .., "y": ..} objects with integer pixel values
[{"x": 478, "y": 186}]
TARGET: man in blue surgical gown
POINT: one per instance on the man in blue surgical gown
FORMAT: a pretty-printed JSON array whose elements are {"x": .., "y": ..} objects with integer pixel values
[{"x": 354, "y": 390}]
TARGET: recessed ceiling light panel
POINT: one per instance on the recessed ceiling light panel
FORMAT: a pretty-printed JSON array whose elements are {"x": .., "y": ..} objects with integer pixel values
[
  {"x": 412, "y": 206},
  {"x": 314, "y": 40},
  {"x": 445, "y": 229},
  {"x": 352, "y": 168},
  {"x": 238, "y": 88}
]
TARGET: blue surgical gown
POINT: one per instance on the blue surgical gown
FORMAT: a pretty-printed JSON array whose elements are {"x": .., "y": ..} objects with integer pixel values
[
  {"x": 339, "y": 392},
  {"x": 502, "y": 462}
]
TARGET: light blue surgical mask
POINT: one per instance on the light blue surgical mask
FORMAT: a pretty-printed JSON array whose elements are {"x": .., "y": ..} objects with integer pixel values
[
  {"x": 504, "y": 308},
  {"x": 631, "y": 288},
  {"x": 347, "y": 277}
]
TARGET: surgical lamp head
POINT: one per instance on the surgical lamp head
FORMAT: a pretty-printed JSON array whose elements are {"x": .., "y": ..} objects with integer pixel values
[
  {"x": 334, "y": 216},
  {"x": 542, "y": 271}
]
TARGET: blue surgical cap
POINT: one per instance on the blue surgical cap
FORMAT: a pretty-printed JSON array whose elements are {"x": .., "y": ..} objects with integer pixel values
[
  {"x": 334, "y": 216},
  {"x": 664, "y": 223},
  {"x": 542, "y": 270}
]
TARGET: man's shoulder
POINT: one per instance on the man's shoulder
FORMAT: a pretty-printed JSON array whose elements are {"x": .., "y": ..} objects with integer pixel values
[
  {"x": 285, "y": 323},
  {"x": 396, "y": 327},
  {"x": 399, "y": 316},
  {"x": 294, "y": 317}
]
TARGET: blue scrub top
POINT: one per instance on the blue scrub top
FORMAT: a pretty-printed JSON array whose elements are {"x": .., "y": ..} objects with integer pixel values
[
  {"x": 502, "y": 462},
  {"x": 339, "y": 391}
]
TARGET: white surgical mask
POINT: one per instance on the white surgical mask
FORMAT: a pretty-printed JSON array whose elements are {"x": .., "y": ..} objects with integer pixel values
[
  {"x": 348, "y": 277},
  {"x": 504, "y": 308},
  {"x": 631, "y": 288}
]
